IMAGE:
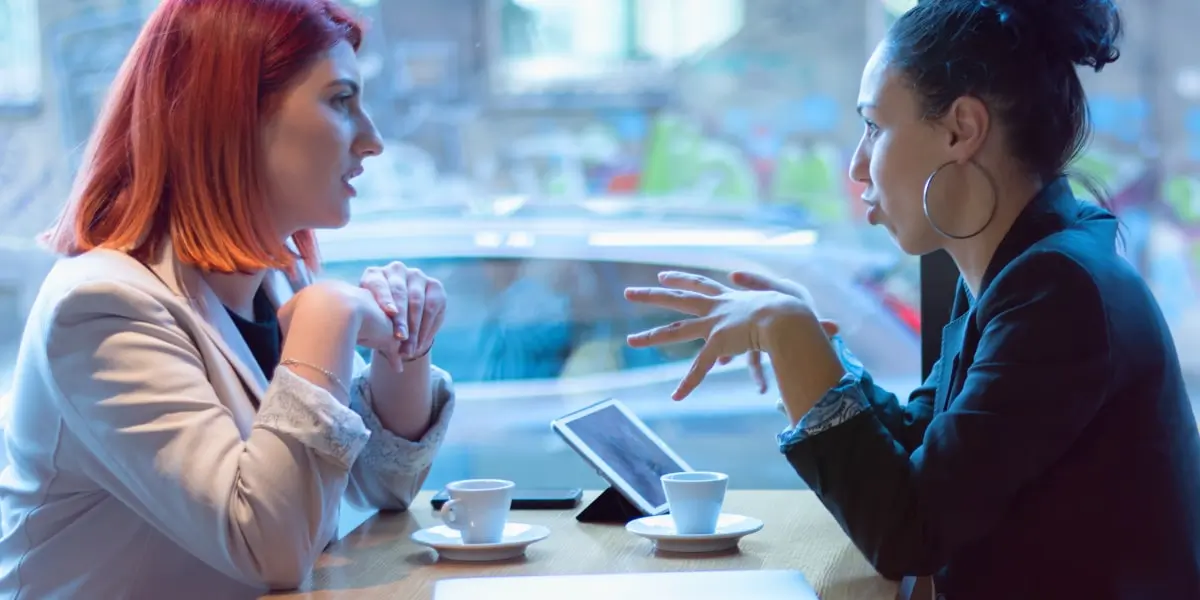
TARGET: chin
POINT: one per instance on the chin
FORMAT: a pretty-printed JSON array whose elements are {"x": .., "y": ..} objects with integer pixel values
[
  {"x": 330, "y": 221},
  {"x": 913, "y": 245},
  {"x": 339, "y": 217}
]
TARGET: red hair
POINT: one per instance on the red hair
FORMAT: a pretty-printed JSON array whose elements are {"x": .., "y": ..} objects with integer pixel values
[{"x": 177, "y": 153}]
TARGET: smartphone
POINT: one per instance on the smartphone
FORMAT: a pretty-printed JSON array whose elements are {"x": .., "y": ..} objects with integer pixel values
[{"x": 530, "y": 499}]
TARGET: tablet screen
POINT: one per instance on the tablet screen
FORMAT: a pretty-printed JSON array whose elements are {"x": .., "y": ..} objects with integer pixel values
[{"x": 618, "y": 441}]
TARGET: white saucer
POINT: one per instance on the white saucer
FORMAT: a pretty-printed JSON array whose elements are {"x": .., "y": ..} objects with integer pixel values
[
  {"x": 661, "y": 529},
  {"x": 449, "y": 543}
]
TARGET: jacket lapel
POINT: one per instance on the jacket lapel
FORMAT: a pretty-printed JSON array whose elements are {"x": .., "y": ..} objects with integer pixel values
[
  {"x": 1053, "y": 209},
  {"x": 186, "y": 282},
  {"x": 952, "y": 345}
]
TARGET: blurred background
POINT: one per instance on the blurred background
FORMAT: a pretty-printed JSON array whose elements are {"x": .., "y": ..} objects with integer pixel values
[{"x": 544, "y": 154}]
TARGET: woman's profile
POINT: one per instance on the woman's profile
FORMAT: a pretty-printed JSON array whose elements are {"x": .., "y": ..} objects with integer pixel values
[
  {"x": 1053, "y": 451},
  {"x": 189, "y": 410}
]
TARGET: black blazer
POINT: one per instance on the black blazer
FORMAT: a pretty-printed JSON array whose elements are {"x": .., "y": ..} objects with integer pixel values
[{"x": 1052, "y": 452}]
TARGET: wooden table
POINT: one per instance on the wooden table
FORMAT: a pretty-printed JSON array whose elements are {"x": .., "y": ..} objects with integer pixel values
[{"x": 378, "y": 560}]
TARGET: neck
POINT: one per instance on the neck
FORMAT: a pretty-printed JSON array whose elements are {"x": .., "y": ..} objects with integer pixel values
[
  {"x": 973, "y": 255},
  {"x": 236, "y": 290}
]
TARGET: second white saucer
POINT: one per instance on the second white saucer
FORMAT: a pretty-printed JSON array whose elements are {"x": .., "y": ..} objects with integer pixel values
[
  {"x": 661, "y": 529},
  {"x": 449, "y": 543}
]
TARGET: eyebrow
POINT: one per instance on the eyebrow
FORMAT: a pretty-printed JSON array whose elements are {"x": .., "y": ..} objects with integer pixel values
[{"x": 350, "y": 83}]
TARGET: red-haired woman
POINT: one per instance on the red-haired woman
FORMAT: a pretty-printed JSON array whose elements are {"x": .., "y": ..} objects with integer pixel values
[{"x": 189, "y": 409}]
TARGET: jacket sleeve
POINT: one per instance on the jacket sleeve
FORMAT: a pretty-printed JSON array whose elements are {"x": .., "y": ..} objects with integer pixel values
[
  {"x": 391, "y": 469},
  {"x": 133, "y": 389},
  {"x": 906, "y": 423},
  {"x": 857, "y": 392},
  {"x": 1038, "y": 377}
]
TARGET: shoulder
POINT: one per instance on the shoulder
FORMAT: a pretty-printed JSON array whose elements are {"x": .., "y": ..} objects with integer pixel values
[
  {"x": 1053, "y": 290},
  {"x": 98, "y": 283}
]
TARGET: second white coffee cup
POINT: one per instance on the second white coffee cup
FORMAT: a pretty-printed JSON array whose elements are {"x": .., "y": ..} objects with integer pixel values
[
  {"x": 695, "y": 499},
  {"x": 478, "y": 509}
]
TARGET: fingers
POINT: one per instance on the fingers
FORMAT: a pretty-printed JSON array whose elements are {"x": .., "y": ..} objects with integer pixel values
[
  {"x": 700, "y": 367},
  {"x": 375, "y": 281},
  {"x": 754, "y": 281},
  {"x": 760, "y": 282},
  {"x": 684, "y": 301},
  {"x": 691, "y": 282},
  {"x": 429, "y": 328},
  {"x": 756, "y": 371},
  {"x": 416, "y": 283},
  {"x": 393, "y": 356},
  {"x": 673, "y": 333},
  {"x": 415, "y": 304},
  {"x": 397, "y": 306},
  {"x": 435, "y": 314}
]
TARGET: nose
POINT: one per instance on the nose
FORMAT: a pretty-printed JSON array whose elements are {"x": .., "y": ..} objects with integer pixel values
[
  {"x": 368, "y": 141},
  {"x": 860, "y": 165}
]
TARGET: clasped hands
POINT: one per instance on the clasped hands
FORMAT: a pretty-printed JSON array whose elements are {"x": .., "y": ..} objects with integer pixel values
[
  {"x": 762, "y": 314},
  {"x": 399, "y": 310}
]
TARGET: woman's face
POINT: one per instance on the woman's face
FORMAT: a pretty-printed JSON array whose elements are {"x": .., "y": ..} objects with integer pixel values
[
  {"x": 315, "y": 144},
  {"x": 898, "y": 151}
]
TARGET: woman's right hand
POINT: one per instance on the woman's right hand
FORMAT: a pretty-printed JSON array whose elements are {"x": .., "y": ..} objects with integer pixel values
[{"x": 753, "y": 281}]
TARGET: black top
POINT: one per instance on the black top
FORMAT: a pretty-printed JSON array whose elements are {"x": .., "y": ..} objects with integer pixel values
[
  {"x": 1051, "y": 453},
  {"x": 262, "y": 335}
]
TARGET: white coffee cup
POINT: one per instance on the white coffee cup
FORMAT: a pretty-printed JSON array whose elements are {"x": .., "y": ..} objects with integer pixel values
[
  {"x": 695, "y": 499},
  {"x": 478, "y": 509}
]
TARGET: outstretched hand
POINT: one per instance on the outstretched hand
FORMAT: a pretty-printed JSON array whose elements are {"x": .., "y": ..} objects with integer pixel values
[
  {"x": 753, "y": 281},
  {"x": 729, "y": 320}
]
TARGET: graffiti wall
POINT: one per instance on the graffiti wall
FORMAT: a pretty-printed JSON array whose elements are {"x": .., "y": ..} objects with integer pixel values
[
  {"x": 755, "y": 121},
  {"x": 743, "y": 158}
]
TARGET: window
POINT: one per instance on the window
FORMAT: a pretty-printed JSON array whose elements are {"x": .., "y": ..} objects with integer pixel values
[
  {"x": 602, "y": 47},
  {"x": 542, "y": 155},
  {"x": 20, "y": 54}
]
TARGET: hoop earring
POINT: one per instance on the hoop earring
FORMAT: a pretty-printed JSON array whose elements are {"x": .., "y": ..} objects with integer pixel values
[{"x": 995, "y": 200}]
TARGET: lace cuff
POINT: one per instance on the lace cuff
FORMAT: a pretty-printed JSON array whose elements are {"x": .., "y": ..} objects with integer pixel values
[
  {"x": 296, "y": 408},
  {"x": 390, "y": 457}
]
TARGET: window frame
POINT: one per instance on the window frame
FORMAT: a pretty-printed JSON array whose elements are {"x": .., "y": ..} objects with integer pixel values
[{"x": 938, "y": 280}]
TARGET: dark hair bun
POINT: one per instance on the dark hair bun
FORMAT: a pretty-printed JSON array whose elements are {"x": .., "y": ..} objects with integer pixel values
[{"x": 1084, "y": 32}]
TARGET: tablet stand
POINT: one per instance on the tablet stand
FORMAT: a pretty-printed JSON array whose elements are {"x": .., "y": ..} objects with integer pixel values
[{"x": 610, "y": 507}]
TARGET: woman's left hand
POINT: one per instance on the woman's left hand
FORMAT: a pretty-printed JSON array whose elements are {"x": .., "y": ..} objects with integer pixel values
[
  {"x": 731, "y": 321},
  {"x": 415, "y": 302}
]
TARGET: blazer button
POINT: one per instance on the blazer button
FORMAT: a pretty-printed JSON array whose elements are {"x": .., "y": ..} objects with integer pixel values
[{"x": 941, "y": 596}]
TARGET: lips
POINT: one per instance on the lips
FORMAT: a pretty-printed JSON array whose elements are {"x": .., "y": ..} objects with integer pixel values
[
  {"x": 351, "y": 175},
  {"x": 872, "y": 211}
]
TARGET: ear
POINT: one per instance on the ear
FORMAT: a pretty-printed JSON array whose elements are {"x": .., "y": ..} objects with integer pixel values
[{"x": 968, "y": 123}]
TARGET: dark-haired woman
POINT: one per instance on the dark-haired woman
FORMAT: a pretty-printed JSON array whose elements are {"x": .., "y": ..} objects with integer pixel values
[{"x": 1052, "y": 452}]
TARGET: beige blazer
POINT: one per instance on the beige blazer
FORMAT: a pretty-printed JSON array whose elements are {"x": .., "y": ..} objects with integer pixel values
[{"x": 139, "y": 467}]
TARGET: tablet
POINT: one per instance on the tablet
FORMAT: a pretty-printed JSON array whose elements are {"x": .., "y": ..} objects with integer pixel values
[{"x": 624, "y": 450}]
